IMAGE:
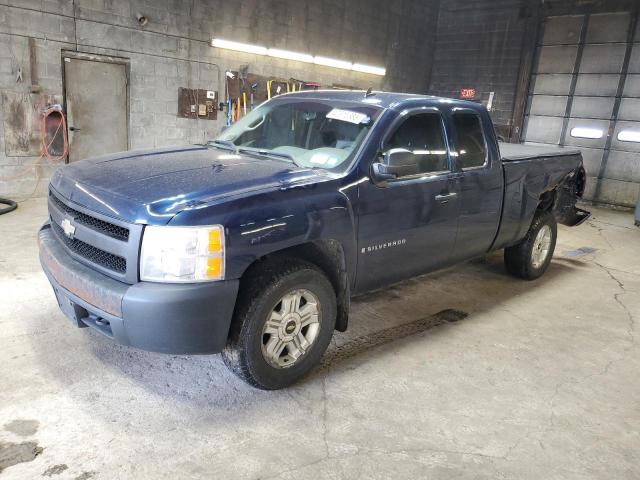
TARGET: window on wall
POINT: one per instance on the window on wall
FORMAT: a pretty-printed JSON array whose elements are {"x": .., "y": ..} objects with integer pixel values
[
  {"x": 471, "y": 145},
  {"x": 423, "y": 135}
]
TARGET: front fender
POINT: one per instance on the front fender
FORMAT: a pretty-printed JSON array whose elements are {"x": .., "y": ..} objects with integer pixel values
[{"x": 273, "y": 221}]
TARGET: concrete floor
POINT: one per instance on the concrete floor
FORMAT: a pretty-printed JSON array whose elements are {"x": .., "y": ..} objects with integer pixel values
[{"x": 525, "y": 381}]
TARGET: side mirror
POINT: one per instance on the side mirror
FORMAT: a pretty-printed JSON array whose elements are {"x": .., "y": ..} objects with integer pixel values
[
  {"x": 380, "y": 173},
  {"x": 395, "y": 162}
]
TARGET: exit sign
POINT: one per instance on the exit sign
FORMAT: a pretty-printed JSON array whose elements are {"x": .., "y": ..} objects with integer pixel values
[{"x": 467, "y": 93}]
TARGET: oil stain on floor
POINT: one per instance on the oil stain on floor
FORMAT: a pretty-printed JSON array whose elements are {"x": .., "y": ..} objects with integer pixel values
[
  {"x": 22, "y": 428},
  {"x": 14, "y": 453},
  {"x": 55, "y": 470}
]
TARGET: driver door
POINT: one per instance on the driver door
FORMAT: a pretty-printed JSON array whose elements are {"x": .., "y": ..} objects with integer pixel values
[{"x": 408, "y": 225}]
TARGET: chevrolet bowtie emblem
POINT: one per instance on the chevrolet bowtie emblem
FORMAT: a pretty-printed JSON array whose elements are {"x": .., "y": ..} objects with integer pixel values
[{"x": 68, "y": 228}]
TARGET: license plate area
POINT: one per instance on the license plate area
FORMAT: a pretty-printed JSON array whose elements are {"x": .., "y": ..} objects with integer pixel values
[
  {"x": 71, "y": 310},
  {"x": 80, "y": 316}
]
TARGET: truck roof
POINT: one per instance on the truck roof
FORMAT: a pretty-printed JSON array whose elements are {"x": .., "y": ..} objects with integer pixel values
[{"x": 390, "y": 100}]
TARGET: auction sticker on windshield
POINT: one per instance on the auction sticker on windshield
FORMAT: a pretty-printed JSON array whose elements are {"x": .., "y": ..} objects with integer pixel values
[{"x": 348, "y": 116}]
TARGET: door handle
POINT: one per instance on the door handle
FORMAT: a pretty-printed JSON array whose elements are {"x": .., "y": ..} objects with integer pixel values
[{"x": 444, "y": 198}]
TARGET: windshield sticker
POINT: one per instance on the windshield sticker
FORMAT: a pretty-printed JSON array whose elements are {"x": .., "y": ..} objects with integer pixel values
[
  {"x": 348, "y": 116},
  {"x": 323, "y": 159},
  {"x": 318, "y": 159}
]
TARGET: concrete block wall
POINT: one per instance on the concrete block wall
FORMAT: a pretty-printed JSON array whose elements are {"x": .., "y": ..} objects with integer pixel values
[
  {"x": 479, "y": 44},
  {"x": 173, "y": 50}
]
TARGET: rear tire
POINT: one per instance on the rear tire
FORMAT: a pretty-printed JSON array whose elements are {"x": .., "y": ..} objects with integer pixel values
[
  {"x": 283, "y": 324},
  {"x": 530, "y": 258}
]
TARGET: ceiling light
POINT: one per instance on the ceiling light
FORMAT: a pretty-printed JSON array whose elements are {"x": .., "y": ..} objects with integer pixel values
[
  {"x": 297, "y": 56},
  {"x": 287, "y": 55},
  {"x": 239, "y": 47},
  {"x": 331, "y": 62},
  {"x": 586, "y": 132},
  {"x": 369, "y": 69},
  {"x": 629, "y": 136}
]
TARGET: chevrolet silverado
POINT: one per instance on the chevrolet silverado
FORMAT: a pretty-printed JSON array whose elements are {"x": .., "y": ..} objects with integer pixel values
[{"x": 253, "y": 244}]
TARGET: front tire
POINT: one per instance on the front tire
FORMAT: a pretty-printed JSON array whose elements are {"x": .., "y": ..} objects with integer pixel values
[
  {"x": 283, "y": 324},
  {"x": 530, "y": 258}
]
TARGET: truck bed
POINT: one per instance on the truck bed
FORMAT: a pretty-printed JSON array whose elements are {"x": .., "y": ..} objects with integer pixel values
[
  {"x": 529, "y": 171},
  {"x": 513, "y": 151}
]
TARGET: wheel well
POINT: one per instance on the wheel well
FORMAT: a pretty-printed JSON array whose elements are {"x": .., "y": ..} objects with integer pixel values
[
  {"x": 547, "y": 200},
  {"x": 564, "y": 195},
  {"x": 328, "y": 256}
]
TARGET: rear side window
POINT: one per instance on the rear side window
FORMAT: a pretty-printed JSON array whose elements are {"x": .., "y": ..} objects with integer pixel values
[
  {"x": 422, "y": 134},
  {"x": 472, "y": 150}
]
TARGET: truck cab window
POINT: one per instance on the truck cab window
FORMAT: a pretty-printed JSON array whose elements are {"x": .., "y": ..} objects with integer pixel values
[
  {"x": 423, "y": 135},
  {"x": 471, "y": 146}
]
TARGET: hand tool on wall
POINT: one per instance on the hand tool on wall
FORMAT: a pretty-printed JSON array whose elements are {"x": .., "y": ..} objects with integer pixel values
[
  {"x": 254, "y": 87},
  {"x": 296, "y": 85},
  {"x": 242, "y": 95},
  {"x": 229, "y": 77}
]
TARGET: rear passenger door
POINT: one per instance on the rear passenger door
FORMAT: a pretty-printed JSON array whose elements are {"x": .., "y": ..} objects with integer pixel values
[
  {"x": 478, "y": 173},
  {"x": 408, "y": 225}
]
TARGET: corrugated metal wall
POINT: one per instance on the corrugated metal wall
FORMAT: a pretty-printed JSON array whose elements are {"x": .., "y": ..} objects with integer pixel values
[{"x": 585, "y": 92}]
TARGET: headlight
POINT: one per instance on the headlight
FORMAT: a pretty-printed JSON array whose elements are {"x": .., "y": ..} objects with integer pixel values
[{"x": 182, "y": 254}]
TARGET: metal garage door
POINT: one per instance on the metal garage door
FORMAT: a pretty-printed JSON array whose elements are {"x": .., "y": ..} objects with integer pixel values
[{"x": 585, "y": 92}]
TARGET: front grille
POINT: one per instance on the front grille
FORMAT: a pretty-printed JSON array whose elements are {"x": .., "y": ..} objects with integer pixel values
[
  {"x": 114, "y": 231},
  {"x": 91, "y": 253}
]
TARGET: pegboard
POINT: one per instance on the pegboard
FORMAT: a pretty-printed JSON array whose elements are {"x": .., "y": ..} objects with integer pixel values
[{"x": 261, "y": 86}]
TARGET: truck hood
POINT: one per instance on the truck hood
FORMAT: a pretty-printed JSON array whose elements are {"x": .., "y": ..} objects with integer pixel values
[{"x": 152, "y": 186}]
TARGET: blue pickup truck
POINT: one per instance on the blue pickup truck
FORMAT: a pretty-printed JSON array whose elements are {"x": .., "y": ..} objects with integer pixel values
[{"x": 252, "y": 245}]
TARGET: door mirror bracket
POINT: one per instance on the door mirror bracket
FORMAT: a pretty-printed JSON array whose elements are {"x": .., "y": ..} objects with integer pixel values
[{"x": 380, "y": 174}]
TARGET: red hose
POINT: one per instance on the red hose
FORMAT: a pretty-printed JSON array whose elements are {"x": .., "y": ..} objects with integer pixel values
[
  {"x": 43, "y": 134},
  {"x": 44, "y": 145}
]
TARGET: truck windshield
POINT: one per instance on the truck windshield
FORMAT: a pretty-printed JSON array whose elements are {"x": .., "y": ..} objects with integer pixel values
[{"x": 308, "y": 132}]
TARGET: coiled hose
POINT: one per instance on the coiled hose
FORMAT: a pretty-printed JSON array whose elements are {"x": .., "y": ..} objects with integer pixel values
[{"x": 12, "y": 205}]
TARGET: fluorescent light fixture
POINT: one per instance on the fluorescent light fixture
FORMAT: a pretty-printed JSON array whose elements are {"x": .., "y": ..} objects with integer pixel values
[
  {"x": 429, "y": 152},
  {"x": 586, "y": 132},
  {"x": 332, "y": 62},
  {"x": 239, "y": 47},
  {"x": 297, "y": 56},
  {"x": 629, "y": 136},
  {"x": 287, "y": 55},
  {"x": 358, "y": 67}
]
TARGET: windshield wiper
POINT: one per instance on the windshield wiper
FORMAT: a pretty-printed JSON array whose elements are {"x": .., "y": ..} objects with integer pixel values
[
  {"x": 225, "y": 144},
  {"x": 269, "y": 153}
]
